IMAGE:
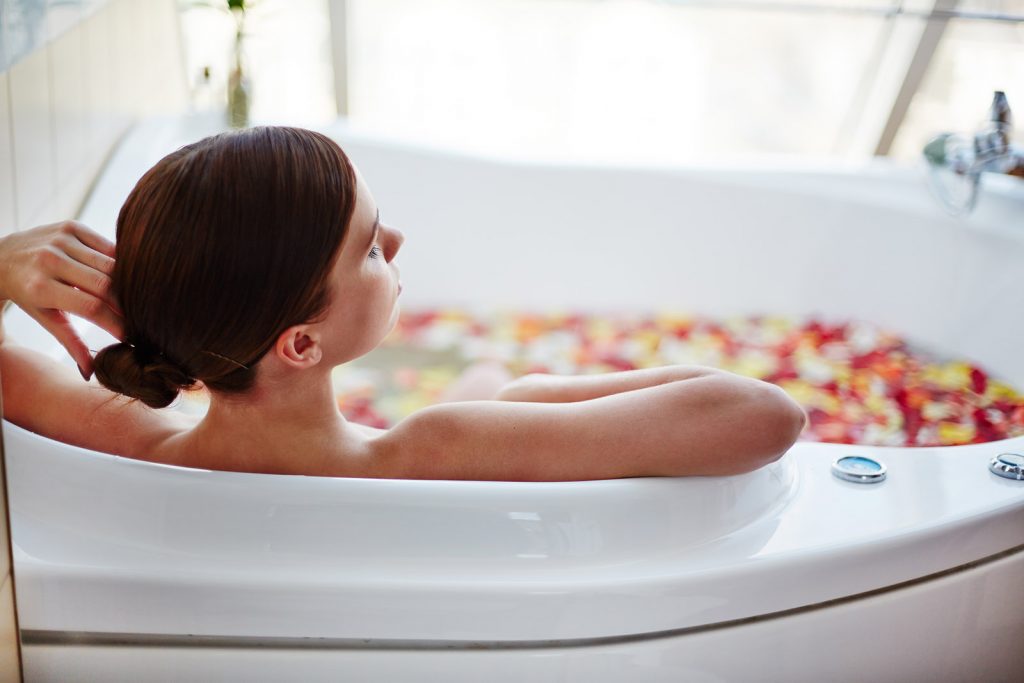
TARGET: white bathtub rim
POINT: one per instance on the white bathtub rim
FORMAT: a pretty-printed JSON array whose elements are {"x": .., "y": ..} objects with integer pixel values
[
  {"x": 782, "y": 560},
  {"x": 151, "y": 138},
  {"x": 734, "y": 502}
]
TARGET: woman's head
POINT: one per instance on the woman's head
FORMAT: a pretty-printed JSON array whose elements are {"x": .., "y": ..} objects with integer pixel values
[{"x": 231, "y": 247}]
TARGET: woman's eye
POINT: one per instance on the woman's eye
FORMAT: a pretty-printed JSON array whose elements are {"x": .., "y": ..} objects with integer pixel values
[{"x": 375, "y": 252}]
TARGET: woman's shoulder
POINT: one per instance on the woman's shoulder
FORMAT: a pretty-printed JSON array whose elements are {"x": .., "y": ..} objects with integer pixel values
[{"x": 479, "y": 440}]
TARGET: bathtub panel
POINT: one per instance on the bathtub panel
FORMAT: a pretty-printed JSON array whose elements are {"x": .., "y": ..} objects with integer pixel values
[
  {"x": 960, "y": 627},
  {"x": 9, "y": 664}
]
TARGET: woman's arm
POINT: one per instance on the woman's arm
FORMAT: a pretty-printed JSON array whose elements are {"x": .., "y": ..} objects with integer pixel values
[
  {"x": 47, "y": 397},
  {"x": 491, "y": 380},
  {"x": 714, "y": 424},
  {"x": 49, "y": 272},
  {"x": 542, "y": 388}
]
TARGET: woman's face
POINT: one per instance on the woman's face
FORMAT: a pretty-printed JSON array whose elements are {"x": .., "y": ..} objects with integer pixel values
[{"x": 364, "y": 283}]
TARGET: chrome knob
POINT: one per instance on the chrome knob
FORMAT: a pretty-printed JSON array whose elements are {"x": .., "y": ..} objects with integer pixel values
[{"x": 1009, "y": 465}]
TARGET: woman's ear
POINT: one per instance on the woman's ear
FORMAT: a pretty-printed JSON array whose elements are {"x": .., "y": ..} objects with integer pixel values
[{"x": 299, "y": 347}]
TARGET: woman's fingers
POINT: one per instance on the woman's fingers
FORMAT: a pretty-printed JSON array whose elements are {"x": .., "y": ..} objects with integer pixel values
[
  {"x": 87, "y": 255},
  {"x": 57, "y": 324},
  {"x": 71, "y": 270},
  {"x": 93, "y": 309},
  {"x": 90, "y": 238},
  {"x": 85, "y": 305}
]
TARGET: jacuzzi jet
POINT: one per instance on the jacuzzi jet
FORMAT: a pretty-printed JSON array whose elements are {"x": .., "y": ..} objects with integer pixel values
[
  {"x": 858, "y": 469},
  {"x": 1009, "y": 465}
]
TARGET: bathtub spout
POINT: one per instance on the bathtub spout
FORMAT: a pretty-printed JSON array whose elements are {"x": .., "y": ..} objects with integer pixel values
[{"x": 957, "y": 161}]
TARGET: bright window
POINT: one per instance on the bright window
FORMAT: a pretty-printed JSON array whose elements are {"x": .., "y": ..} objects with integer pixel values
[{"x": 662, "y": 81}]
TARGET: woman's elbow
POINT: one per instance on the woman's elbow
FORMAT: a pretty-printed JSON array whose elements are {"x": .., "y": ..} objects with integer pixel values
[
  {"x": 785, "y": 421},
  {"x": 770, "y": 423}
]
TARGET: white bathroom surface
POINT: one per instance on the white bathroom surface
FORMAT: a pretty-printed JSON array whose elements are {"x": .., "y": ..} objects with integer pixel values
[{"x": 109, "y": 545}]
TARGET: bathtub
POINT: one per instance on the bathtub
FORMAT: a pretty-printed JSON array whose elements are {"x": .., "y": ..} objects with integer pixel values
[{"x": 127, "y": 570}]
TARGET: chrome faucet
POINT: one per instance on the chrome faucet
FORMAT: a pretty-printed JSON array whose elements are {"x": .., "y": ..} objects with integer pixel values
[{"x": 957, "y": 162}]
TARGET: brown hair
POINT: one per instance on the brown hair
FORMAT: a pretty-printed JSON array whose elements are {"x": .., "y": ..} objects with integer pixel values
[{"x": 221, "y": 246}]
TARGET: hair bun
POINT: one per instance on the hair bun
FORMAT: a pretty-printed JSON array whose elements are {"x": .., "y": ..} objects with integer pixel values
[{"x": 149, "y": 377}]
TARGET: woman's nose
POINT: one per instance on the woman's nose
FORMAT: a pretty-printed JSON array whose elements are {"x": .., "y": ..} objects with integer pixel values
[{"x": 397, "y": 239}]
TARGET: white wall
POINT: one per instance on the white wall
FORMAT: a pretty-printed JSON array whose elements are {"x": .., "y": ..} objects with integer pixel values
[
  {"x": 66, "y": 102},
  {"x": 73, "y": 78}
]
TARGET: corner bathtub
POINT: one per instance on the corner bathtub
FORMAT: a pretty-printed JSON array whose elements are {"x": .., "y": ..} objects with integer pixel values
[{"x": 127, "y": 570}]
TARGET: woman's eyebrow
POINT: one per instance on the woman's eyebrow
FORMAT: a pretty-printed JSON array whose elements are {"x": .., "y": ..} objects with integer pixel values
[{"x": 376, "y": 229}]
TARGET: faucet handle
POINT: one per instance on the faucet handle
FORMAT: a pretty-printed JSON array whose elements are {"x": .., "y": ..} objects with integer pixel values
[
  {"x": 956, "y": 162},
  {"x": 1001, "y": 120},
  {"x": 992, "y": 142},
  {"x": 999, "y": 112}
]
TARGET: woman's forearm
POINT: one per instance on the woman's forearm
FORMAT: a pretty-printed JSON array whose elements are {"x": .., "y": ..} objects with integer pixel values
[{"x": 543, "y": 388}]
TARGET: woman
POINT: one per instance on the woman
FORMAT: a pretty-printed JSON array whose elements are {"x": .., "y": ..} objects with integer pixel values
[{"x": 254, "y": 262}]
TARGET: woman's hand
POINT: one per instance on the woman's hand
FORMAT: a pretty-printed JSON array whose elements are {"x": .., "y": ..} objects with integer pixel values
[{"x": 57, "y": 269}]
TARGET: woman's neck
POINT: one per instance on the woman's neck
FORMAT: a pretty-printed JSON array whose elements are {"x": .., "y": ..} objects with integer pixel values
[{"x": 281, "y": 425}]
